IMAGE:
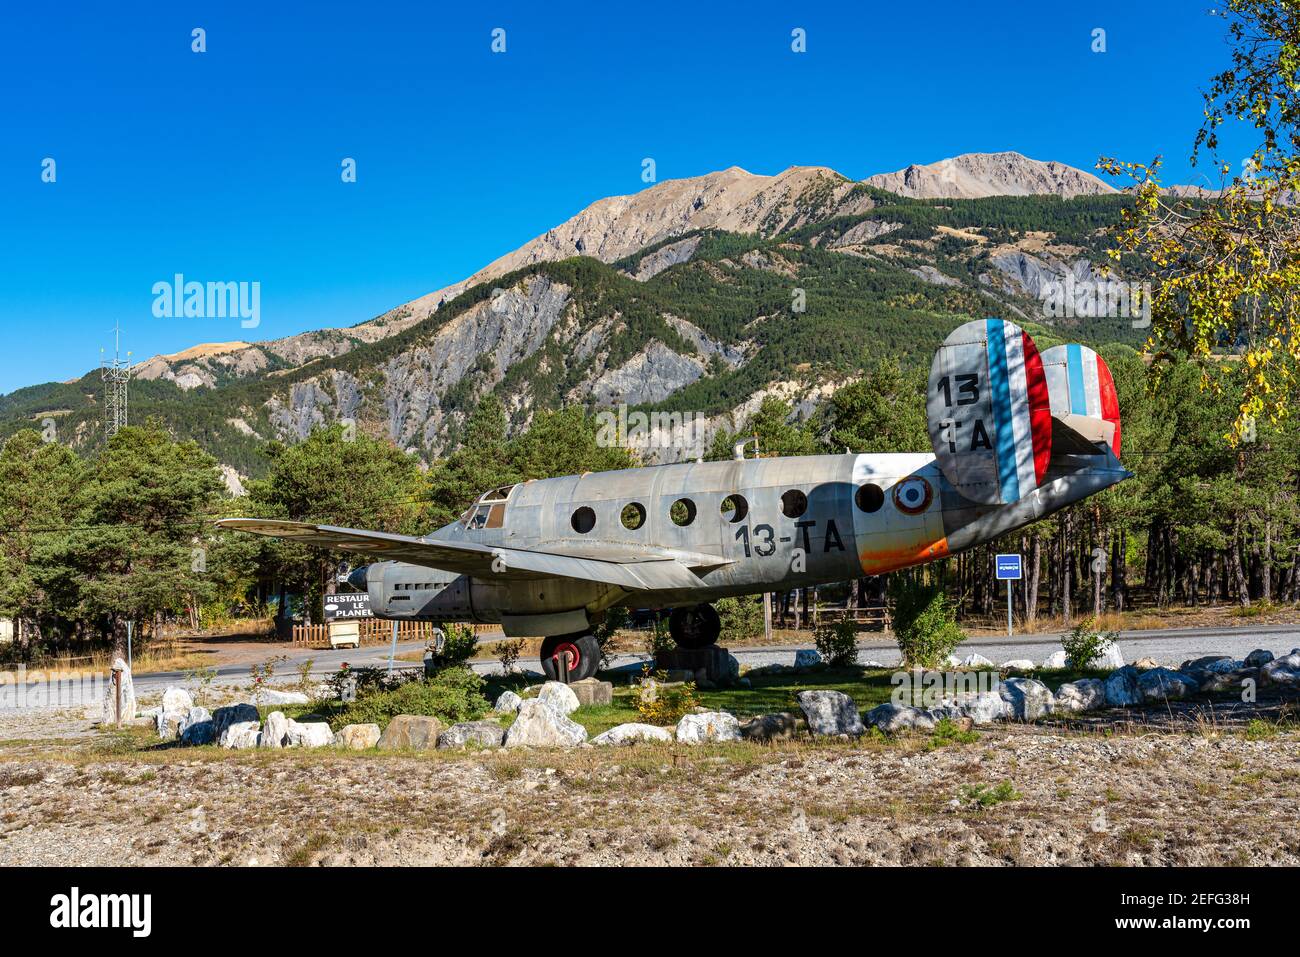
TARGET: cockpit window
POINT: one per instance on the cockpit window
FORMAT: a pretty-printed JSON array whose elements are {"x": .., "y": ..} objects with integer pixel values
[{"x": 489, "y": 511}]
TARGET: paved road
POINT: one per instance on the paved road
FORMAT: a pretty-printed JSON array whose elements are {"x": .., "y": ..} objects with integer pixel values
[{"x": 1170, "y": 647}]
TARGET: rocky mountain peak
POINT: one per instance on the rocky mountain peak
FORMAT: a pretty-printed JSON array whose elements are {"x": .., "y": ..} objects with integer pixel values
[{"x": 976, "y": 175}]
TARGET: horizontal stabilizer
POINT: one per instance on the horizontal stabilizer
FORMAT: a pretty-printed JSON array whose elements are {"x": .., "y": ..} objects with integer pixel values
[
  {"x": 1079, "y": 435},
  {"x": 1082, "y": 393}
]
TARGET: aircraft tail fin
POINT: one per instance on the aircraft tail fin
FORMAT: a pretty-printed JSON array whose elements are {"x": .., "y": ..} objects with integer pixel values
[{"x": 989, "y": 411}]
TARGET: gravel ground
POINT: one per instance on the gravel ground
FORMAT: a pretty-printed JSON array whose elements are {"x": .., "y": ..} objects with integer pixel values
[{"x": 1145, "y": 796}]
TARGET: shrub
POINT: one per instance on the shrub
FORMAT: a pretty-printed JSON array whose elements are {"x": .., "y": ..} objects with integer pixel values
[
  {"x": 1085, "y": 644},
  {"x": 453, "y": 694},
  {"x": 837, "y": 644},
  {"x": 458, "y": 646},
  {"x": 605, "y": 632},
  {"x": 659, "y": 639},
  {"x": 925, "y": 625},
  {"x": 742, "y": 617},
  {"x": 659, "y": 703},
  {"x": 986, "y": 796},
  {"x": 508, "y": 653}
]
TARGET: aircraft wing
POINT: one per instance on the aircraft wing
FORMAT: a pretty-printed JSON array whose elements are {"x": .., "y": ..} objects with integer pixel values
[{"x": 644, "y": 571}]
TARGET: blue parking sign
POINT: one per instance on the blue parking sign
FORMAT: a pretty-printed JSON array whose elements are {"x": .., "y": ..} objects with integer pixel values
[{"x": 1008, "y": 568}]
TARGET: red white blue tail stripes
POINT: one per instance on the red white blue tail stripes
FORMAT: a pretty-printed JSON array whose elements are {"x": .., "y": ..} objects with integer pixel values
[
  {"x": 1010, "y": 350},
  {"x": 1080, "y": 386},
  {"x": 989, "y": 412}
]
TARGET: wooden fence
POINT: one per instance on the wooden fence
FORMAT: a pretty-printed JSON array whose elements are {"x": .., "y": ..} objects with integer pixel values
[
  {"x": 376, "y": 631},
  {"x": 861, "y": 616}
]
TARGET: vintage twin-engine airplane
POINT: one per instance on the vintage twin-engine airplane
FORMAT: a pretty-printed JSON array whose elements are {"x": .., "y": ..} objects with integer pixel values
[{"x": 1016, "y": 436}]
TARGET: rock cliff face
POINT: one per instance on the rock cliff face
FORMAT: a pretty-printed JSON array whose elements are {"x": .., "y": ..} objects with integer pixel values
[
  {"x": 732, "y": 200},
  {"x": 975, "y": 175}
]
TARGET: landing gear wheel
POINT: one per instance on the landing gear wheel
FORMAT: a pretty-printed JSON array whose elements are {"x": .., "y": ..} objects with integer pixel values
[
  {"x": 696, "y": 627},
  {"x": 583, "y": 656}
]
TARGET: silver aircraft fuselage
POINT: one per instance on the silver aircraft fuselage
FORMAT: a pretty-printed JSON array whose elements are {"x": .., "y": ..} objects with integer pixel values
[{"x": 791, "y": 522}]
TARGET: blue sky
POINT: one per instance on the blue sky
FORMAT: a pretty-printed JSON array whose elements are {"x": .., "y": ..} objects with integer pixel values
[{"x": 225, "y": 165}]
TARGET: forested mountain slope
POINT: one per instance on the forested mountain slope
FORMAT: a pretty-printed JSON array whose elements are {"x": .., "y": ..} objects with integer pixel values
[{"x": 787, "y": 289}]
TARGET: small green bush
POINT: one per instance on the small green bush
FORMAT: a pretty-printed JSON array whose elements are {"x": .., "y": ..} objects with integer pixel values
[
  {"x": 925, "y": 624},
  {"x": 837, "y": 644},
  {"x": 659, "y": 639},
  {"x": 458, "y": 646},
  {"x": 742, "y": 617},
  {"x": 1085, "y": 644},
  {"x": 605, "y": 632},
  {"x": 986, "y": 796},
  {"x": 453, "y": 694},
  {"x": 660, "y": 702}
]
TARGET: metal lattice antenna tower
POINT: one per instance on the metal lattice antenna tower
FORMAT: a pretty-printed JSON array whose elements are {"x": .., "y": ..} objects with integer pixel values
[{"x": 116, "y": 376}]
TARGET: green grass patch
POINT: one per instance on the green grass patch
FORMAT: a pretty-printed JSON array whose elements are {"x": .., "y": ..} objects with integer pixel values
[{"x": 989, "y": 795}]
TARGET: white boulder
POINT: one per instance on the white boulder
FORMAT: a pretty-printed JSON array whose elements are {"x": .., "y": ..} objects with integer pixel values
[
  {"x": 507, "y": 703},
  {"x": 1086, "y": 694},
  {"x": 709, "y": 727},
  {"x": 976, "y": 661},
  {"x": 168, "y": 724},
  {"x": 311, "y": 734},
  {"x": 983, "y": 708},
  {"x": 1026, "y": 699},
  {"x": 483, "y": 734},
  {"x": 806, "y": 658},
  {"x": 559, "y": 696},
  {"x": 624, "y": 734},
  {"x": 241, "y": 734},
  {"x": 1017, "y": 664},
  {"x": 1111, "y": 657},
  {"x": 539, "y": 725},
  {"x": 1057, "y": 659},
  {"x": 1161, "y": 684},
  {"x": 274, "y": 731},
  {"x": 276, "y": 696},
  {"x": 176, "y": 699},
  {"x": 1122, "y": 690},
  {"x": 892, "y": 718},
  {"x": 109, "y": 712},
  {"x": 830, "y": 713}
]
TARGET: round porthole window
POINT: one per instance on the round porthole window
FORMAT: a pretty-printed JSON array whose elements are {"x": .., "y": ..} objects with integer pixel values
[
  {"x": 584, "y": 520},
  {"x": 633, "y": 516},
  {"x": 913, "y": 495},
  {"x": 794, "y": 503},
  {"x": 869, "y": 497},
  {"x": 682, "y": 512},
  {"x": 734, "y": 508}
]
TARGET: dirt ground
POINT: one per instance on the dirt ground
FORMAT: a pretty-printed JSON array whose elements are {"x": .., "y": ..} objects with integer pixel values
[{"x": 1133, "y": 793}]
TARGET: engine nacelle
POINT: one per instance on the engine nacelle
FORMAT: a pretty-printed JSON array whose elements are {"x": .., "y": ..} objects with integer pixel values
[
  {"x": 416, "y": 592},
  {"x": 402, "y": 590}
]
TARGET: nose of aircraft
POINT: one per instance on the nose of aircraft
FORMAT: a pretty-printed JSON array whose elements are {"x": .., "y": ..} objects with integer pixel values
[{"x": 357, "y": 578}]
